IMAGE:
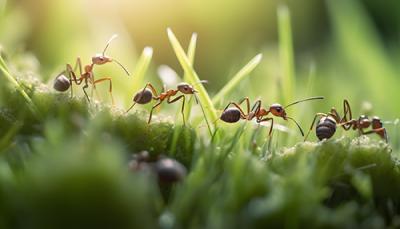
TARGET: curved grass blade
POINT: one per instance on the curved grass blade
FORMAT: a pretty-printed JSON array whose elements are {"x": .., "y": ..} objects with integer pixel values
[
  {"x": 193, "y": 78},
  {"x": 191, "y": 53},
  {"x": 237, "y": 78},
  {"x": 177, "y": 130},
  {"x": 11, "y": 79}
]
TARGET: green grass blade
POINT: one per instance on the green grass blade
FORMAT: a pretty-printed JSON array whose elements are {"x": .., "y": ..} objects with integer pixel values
[
  {"x": 11, "y": 79},
  {"x": 237, "y": 78},
  {"x": 141, "y": 68},
  {"x": 193, "y": 78},
  {"x": 286, "y": 55},
  {"x": 191, "y": 53}
]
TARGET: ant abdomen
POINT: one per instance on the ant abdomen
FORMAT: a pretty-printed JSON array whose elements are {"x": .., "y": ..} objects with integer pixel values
[
  {"x": 61, "y": 83},
  {"x": 326, "y": 128},
  {"x": 231, "y": 115},
  {"x": 143, "y": 96}
]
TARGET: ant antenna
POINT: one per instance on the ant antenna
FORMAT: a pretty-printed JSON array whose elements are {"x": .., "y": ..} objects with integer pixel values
[
  {"x": 204, "y": 113},
  {"x": 126, "y": 71},
  {"x": 105, "y": 49},
  {"x": 201, "y": 82},
  {"x": 303, "y": 100},
  {"x": 108, "y": 43},
  {"x": 301, "y": 130}
]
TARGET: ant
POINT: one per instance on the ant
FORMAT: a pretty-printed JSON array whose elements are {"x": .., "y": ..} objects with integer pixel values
[
  {"x": 148, "y": 93},
  {"x": 326, "y": 126},
  {"x": 234, "y": 114},
  {"x": 63, "y": 83}
]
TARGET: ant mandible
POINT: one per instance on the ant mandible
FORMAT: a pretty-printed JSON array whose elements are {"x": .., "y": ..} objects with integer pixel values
[
  {"x": 234, "y": 114},
  {"x": 326, "y": 126},
  {"x": 63, "y": 83},
  {"x": 149, "y": 93}
]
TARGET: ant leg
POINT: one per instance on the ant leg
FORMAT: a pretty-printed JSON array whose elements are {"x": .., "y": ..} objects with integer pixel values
[
  {"x": 71, "y": 76},
  {"x": 348, "y": 124},
  {"x": 183, "y": 105},
  {"x": 346, "y": 110},
  {"x": 84, "y": 90},
  {"x": 153, "y": 90},
  {"x": 380, "y": 131},
  {"x": 272, "y": 124},
  {"x": 131, "y": 107},
  {"x": 78, "y": 64},
  {"x": 110, "y": 88},
  {"x": 151, "y": 112},
  {"x": 313, "y": 123},
  {"x": 247, "y": 103},
  {"x": 256, "y": 107},
  {"x": 242, "y": 114}
]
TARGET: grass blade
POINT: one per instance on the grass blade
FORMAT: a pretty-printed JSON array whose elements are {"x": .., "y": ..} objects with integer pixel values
[
  {"x": 191, "y": 53},
  {"x": 193, "y": 78},
  {"x": 11, "y": 79},
  {"x": 141, "y": 68},
  {"x": 286, "y": 55},
  {"x": 237, "y": 78}
]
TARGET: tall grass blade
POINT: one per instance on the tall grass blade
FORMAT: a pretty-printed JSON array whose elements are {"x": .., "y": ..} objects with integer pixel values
[
  {"x": 193, "y": 78},
  {"x": 191, "y": 53},
  {"x": 288, "y": 80},
  {"x": 237, "y": 78}
]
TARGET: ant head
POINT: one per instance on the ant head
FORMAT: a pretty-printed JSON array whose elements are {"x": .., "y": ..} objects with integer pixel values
[
  {"x": 376, "y": 122},
  {"x": 185, "y": 88},
  {"x": 278, "y": 110},
  {"x": 100, "y": 59}
]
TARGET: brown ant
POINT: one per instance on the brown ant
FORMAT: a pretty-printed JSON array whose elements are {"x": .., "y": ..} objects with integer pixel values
[
  {"x": 148, "y": 93},
  {"x": 234, "y": 114},
  {"x": 326, "y": 126},
  {"x": 63, "y": 83}
]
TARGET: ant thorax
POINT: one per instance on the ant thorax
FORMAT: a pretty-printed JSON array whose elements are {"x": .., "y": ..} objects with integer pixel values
[
  {"x": 262, "y": 112},
  {"x": 88, "y": 68}
]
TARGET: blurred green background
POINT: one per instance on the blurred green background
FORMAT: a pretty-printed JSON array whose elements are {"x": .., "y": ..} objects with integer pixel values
[{"x": 342, "y": 48}]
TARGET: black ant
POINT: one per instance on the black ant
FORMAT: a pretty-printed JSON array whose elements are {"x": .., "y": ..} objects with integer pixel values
[
  {"x": 149, "y": 93},
  {"x": 326, "y": 126},
  {"x": 167, "y": 170},
  {"x": 234, "y": 114},
  {"x": 63, "y": 83}
]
